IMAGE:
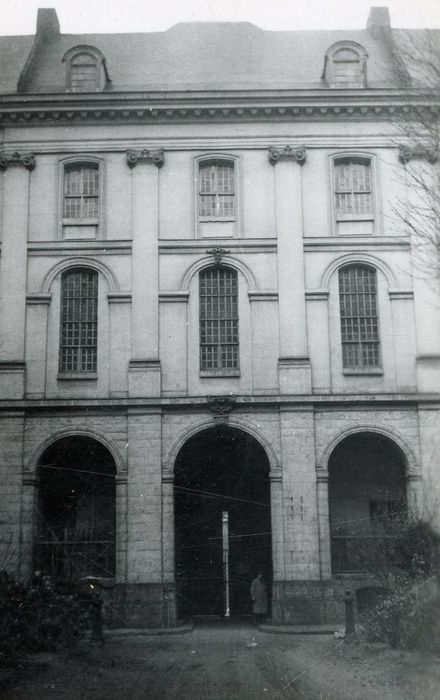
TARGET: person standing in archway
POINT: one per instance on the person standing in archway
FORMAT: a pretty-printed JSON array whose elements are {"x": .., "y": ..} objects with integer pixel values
[{"x": 259, "y": 598}]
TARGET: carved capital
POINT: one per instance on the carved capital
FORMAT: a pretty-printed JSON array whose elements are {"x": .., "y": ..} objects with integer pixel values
[
  {"x": 156, "y": 158},
  {"x": 221, "y": 407},
  {"x": 218, "y": 253},
  {"x": 276, "y": 154},
  {"x": 406, "y": 153},
  {"x": 27, "y": 160}
]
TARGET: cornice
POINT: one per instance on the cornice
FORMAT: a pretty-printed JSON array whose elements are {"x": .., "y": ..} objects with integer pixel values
[{"x": 212, "y": 106}]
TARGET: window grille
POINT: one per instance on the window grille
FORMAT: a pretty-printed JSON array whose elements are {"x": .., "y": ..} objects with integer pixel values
[
  {"x": 359, "y": 318},
  {"x": 217, "y": 190},
  {"x": 81, "y": 191},
  {"x": 79, "y": 321},
  {"x": 347, "y": 69},
  {"x": 353, "y": 191},
  {"x": 83, "y": 73},
  {"x": 218, "y": 319}
]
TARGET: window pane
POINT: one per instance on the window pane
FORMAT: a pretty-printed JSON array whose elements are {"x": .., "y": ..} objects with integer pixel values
[
  {"x": 218, "y": 289},
  {"x": 217, "y": 190},
  {"x": 353, "y": 188},
  {"x": 359, "y": 319},
  {"x": 79, "y": 321},
  {"x": 81, "y": 191}
]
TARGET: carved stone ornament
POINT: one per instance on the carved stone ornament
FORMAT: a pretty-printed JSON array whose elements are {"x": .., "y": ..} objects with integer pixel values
[
  {"x": 218, "y": 253},
  {"x": 157, "y": 158},
  {"x": 221, "y": 407},
  {"x": 276, "y": 154},
  {"x": 27, "y": 160},
  {"x": 406, "y": 153}
]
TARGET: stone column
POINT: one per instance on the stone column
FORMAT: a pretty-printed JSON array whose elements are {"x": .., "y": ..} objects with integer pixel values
[
  {"x": 13, "y": 272},
  {"x": 414, "y": 494},
  {"x": 144, "y": 367},
  {"x": 294, "y": 364},
  {"x": 36, "y": 330},
  {"x": 169, "y": 587},
  {"x": 319, "y": 337},
  {"x": 121, "y": 529},
  {"x": 323, "y": 524},
  {"x": 29, "y": 497}
]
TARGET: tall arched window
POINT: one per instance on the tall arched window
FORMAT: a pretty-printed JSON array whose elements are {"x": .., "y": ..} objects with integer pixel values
[
  {"x": 218, "y": 304},
  {"x": 359, "y": 318},
  {"x": 79, "y": 321}
]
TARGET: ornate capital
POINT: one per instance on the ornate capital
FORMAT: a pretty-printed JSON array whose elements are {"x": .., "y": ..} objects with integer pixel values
[
  {"x": 276, "y": 154},
  {"x": 157, "y": 158},
  {"x": 27, "y": 160},
  {"x": 221, "y": 407},
  {"x": 218, "y": 253},
  {"x": 406, "y": 153}
]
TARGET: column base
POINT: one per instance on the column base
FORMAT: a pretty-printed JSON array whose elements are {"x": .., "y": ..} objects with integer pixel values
[
  {"x": 144, "y": 378},
  {"x": 294, "y": 375},
  {"x": 12, "y": 379}
]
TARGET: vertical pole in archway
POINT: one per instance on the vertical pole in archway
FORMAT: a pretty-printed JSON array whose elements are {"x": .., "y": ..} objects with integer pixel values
[{"x": 225, "y": 542}]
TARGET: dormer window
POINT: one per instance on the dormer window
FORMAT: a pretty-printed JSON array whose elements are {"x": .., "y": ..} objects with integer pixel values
[
  {"x": 85, "y": 70},
  {"x": 345, "y": 65}
]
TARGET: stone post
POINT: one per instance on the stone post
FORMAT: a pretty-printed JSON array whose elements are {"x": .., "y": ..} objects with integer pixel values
[
  {"x": 13, "y": 272},
  {"x": 144, "y": 367},
  {"x": 323, "y": 524},
  {"x": 294, "y": 364}
]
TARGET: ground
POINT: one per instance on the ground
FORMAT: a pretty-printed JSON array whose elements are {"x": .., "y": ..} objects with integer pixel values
[{"x": 230, "y": 662}]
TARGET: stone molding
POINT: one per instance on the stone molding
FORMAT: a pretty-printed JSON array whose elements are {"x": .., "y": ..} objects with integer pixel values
[
  {"x": 287, "y": 153},
  {"x": 38, "y": 298},
  {"x": 144, "y": 155},
  {"x": 407, "y": 153},
  {"x": 27, "y": 160}
]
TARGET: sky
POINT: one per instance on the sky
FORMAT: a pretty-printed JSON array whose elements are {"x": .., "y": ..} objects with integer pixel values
[{"x": 84, "y": 16}]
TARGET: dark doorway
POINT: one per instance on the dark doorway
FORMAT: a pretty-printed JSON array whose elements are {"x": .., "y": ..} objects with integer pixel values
[
  {"x": 76, "y": 510},
  {"x": 367, "y": 502},
  {"x": 221, "y": 469}
]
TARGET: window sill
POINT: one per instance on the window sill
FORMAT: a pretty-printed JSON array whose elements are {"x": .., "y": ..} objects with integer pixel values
[
  {"x": 80, "y": 222},
  {"x": 355, "y": 217},
  {"x": 77, "y": 376},
  {"x": 217, "y": 220},
  {"x": 219, "y": 373},
  {"x": 374, "y": 371}
]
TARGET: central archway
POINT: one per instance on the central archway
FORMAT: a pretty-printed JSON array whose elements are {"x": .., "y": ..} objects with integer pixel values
[{"x": 221, "y": 469}]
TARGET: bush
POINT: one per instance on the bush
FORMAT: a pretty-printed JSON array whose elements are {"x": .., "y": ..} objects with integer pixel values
[
  {"x": 408, "y": 616},
  {"x": 36, "y": 617}
]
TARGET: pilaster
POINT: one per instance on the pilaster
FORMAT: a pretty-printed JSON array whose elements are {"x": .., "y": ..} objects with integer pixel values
[{"x": 294, "y": 364}]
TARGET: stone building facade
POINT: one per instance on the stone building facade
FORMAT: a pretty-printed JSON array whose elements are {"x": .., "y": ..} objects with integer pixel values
[{"x": 209, "y": 305}]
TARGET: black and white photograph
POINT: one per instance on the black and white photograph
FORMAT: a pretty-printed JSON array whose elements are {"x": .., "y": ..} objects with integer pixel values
[{"x": 220, "y": 350}]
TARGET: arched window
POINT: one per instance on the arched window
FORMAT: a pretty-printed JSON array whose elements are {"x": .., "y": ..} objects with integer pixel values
[
  {"x": 217, "y": 190},
  {"x": 353, "y": 190},
  {"x": 345, "y": 65},
  {"x": 84, "y": 76},
  {"x": 359, "y": 318},
  {"x": 79, "y": 321},
  {"x": 218, "y": 305},
  {"x": 86, "y": 70}
]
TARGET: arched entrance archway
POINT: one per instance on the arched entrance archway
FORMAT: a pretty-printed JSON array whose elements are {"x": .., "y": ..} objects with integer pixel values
[
  {"x": 76, "y": 510},
  {"x": 220, "y": 470},
  {"x": 367, "y": 501}
]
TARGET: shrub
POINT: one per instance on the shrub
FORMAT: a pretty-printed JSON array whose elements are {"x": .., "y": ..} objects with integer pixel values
[{"x": 36, "y": 617}]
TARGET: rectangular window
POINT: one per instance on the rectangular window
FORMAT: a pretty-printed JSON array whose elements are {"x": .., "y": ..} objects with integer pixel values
[
  {"x": 353, "y": 189},
  {"x": 219, "y": 321},
  {"x": 81, "y": 192},
  {"x": 359, "y": 318},
  {"x": 217, "y": 191},
  {"x": 79, "y": 321}
]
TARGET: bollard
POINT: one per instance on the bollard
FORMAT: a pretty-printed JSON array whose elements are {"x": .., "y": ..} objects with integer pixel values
[{"x": 349, "y": 614}]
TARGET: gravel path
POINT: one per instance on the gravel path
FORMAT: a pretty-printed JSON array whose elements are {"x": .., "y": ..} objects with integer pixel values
[{"x": 231, "y": 662}]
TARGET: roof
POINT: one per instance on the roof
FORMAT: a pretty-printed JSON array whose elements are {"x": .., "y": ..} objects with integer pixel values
[{"x": 197, "y": 56}]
